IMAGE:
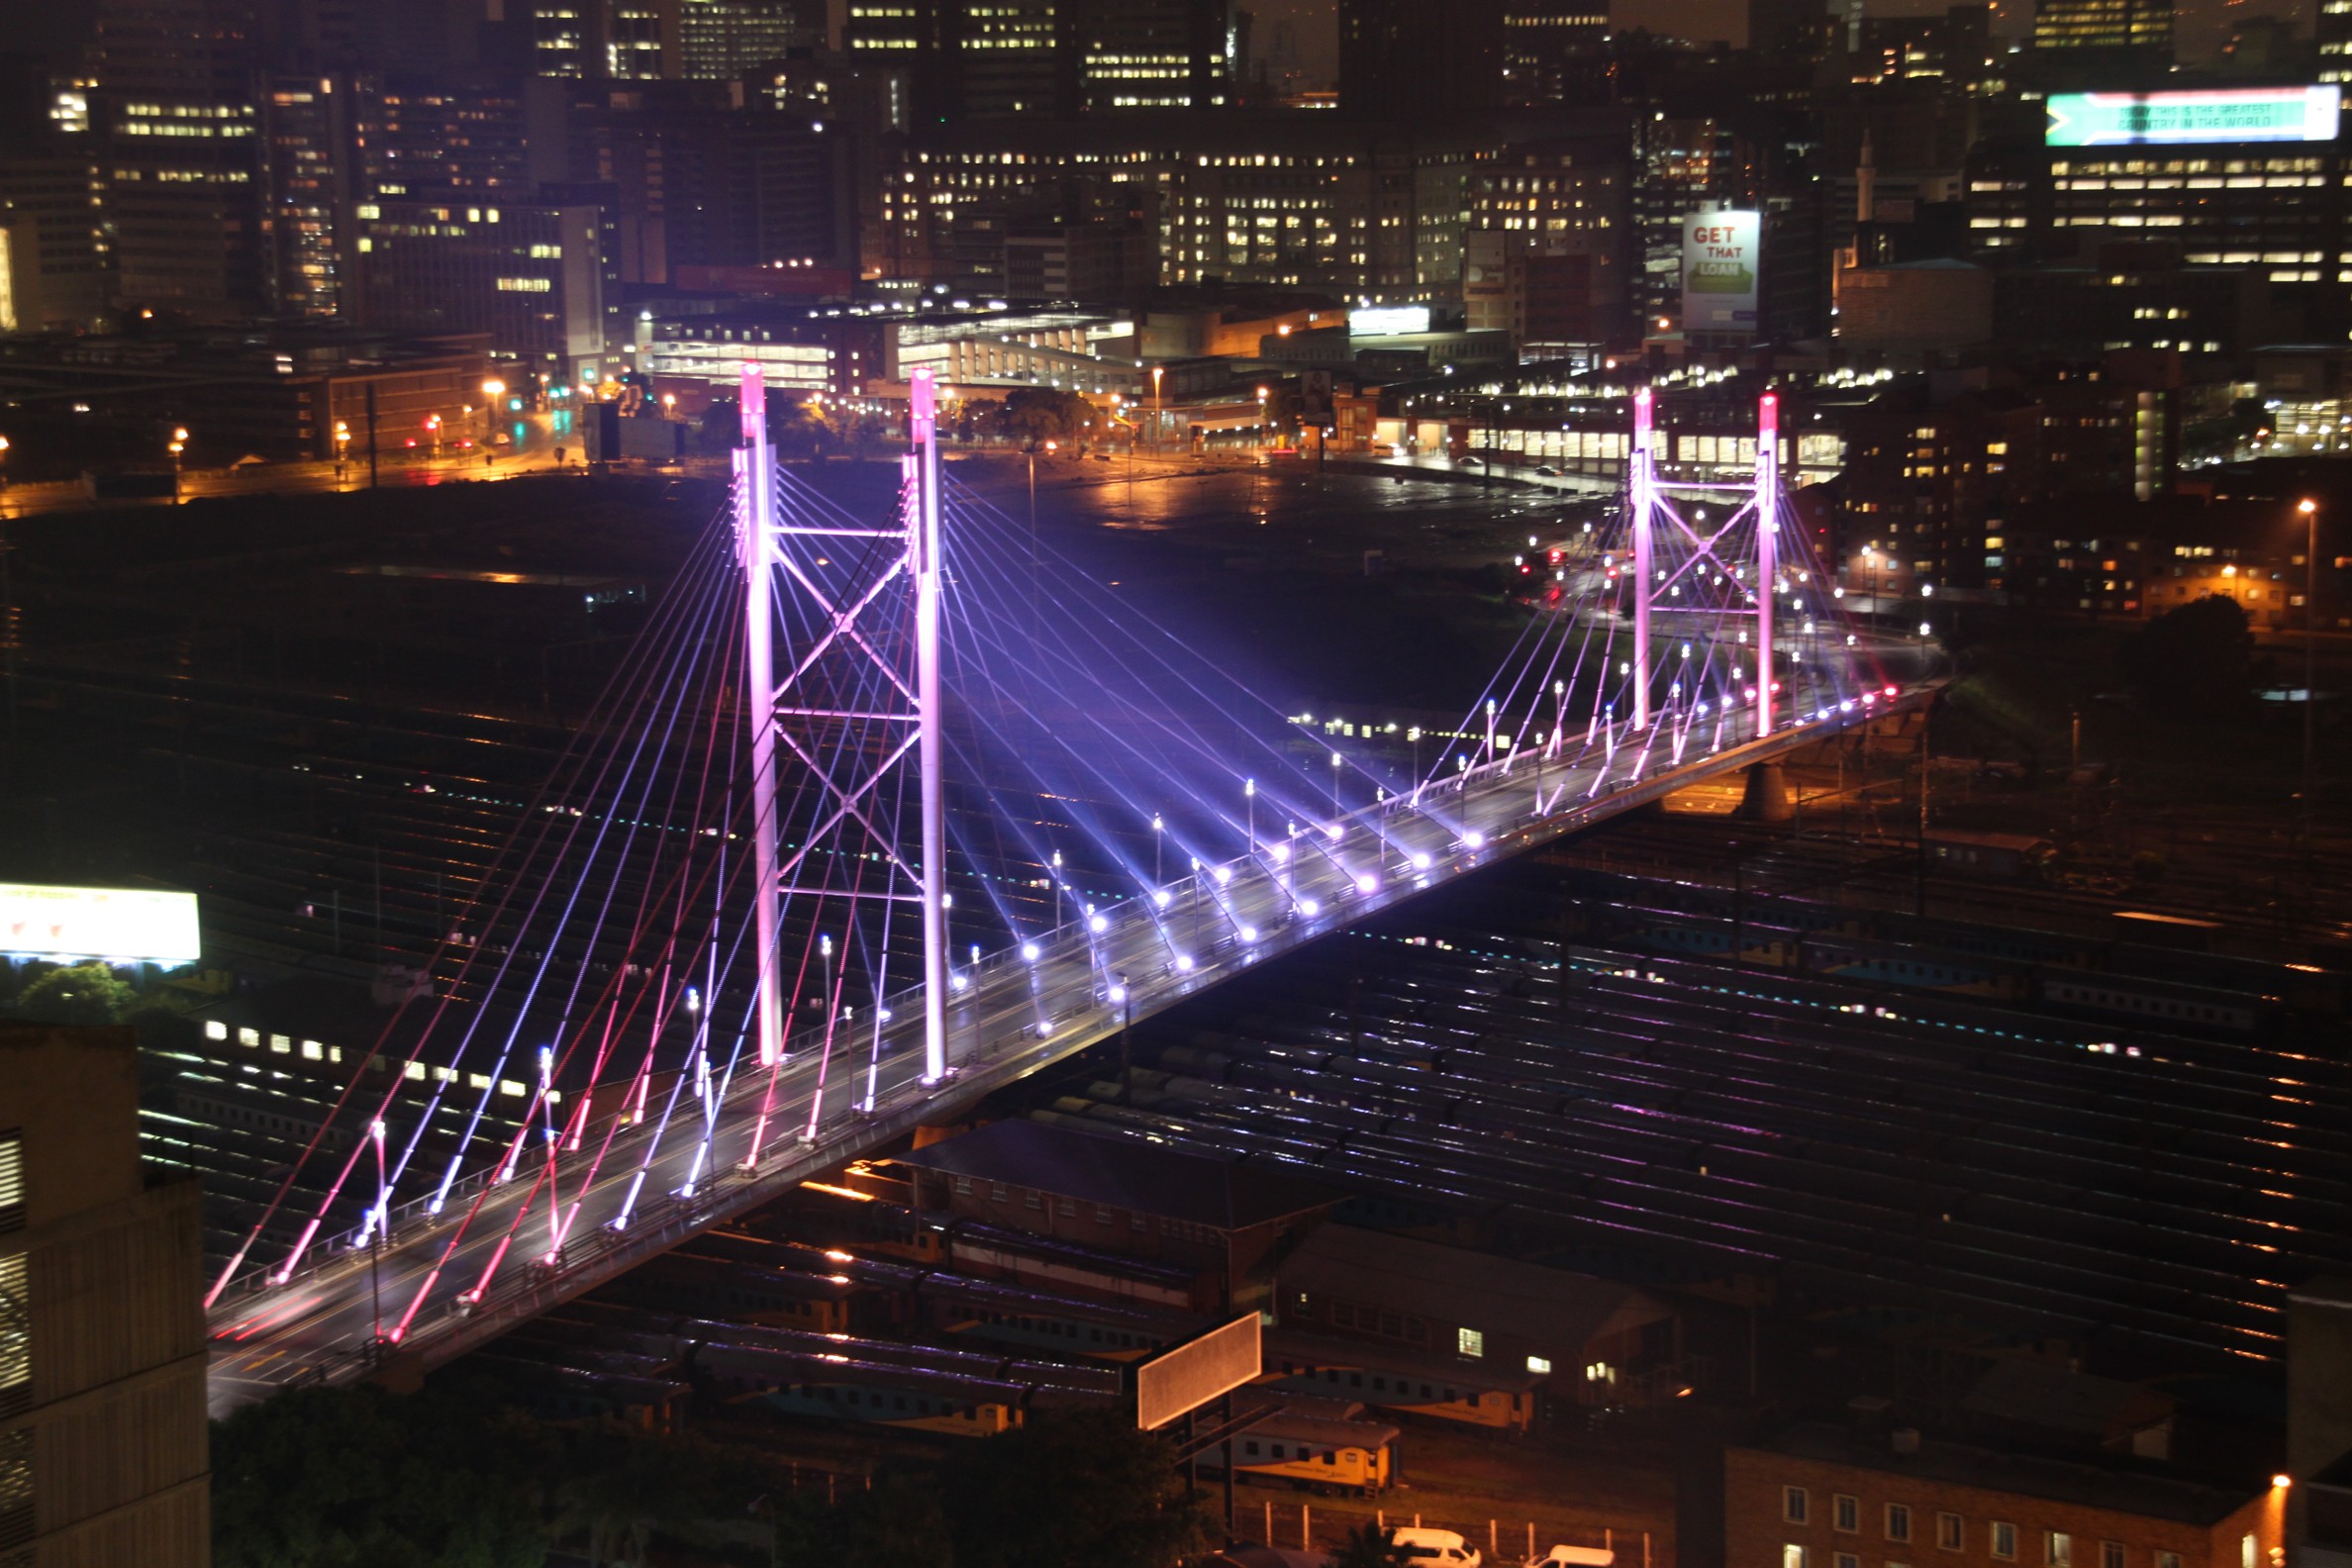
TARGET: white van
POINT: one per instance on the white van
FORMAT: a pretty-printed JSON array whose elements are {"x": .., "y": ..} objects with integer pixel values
[
  {"x": 1576, "y": 1557},
  {"x": 1438, "y": 1548}
]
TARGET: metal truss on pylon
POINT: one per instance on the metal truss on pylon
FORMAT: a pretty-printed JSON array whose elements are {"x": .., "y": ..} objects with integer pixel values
[
  {"x": 842, "y": 700},
  {"x": 1692, "y": 548}
]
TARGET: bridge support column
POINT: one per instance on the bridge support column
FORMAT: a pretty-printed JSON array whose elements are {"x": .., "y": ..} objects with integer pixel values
[
  {"x": 1764, "y": 795},
  {"x": 923, "y": 545},
  {"x": 1644, "y": 484},
  {"x": 755, "y": 539},
  {"x": 1767, "y": 549}
]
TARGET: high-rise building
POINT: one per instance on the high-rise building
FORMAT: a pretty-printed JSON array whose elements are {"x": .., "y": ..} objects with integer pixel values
[
  {"x": 1406, "y": 60},
  {"x": 309, "y": 147},
  {"x": 56, "y": 265},
  {"x": 425, "y": 135},
  {"x": 667, "y": 39},
  {"x": 2125, "y": 30},
  {"x": 1794, "y": 30},
  {"x": 1554, "y": 51},
  {"x": 102, "y": 1365},
  {"x": 1157, "y": 53},
  {"x": 1053, "y": 58},
  {"x": 174, "y": 111},
  {"x": 2335, "y": 31},
  {"x": 1535, "y": 208},
  {"x": 529, "y": 274}
]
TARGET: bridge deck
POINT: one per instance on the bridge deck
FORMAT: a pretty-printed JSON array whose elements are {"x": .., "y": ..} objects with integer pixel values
[{"x": 1009, "y": 1018}]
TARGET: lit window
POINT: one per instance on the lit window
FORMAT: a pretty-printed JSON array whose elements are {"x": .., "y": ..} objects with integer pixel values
[
  {"x": 215, "y": 1030},
  {"x": 1538, "y": 1365},
  {"x": 2058, "y": 1549},
  {"x": 1469, "y": 1341}
]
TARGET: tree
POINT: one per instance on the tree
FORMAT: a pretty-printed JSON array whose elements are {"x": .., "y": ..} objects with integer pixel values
[
  {"x": 1369, "y": 1546},
  {"x": 1071, "y": 1490},
  {"x": 1029, "y": 415},
  {"x": 358, "y": 1477},
  {"x": 83, "y": 993},
  {"x": 898, "y": 1523},
  {"x": 2197, "y": 659}
]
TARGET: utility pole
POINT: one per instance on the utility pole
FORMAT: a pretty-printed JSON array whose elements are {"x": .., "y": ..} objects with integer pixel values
[{"x": 2311, "y": 704}]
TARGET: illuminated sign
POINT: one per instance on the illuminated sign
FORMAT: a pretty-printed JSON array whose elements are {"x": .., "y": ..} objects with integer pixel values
[
  {"x": 2236, "y": 114},
  {"x": 1382, "y": 320},
  {"x": 98, "y": 922},
  {"x": 1721, "y": 252}
]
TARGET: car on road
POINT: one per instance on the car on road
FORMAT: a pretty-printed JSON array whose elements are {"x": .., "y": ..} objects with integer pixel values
[
  {"x": 1436, "y": 1548},
  {"x": 1547, "y": 470}
]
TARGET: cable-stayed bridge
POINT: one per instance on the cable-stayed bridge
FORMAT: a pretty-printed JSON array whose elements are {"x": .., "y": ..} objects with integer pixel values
[{"x": 885, "y": 813}]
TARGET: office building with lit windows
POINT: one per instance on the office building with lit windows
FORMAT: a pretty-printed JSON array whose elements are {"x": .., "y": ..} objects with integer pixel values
[
  {"x": 1371, "y": 212},
  {"x": 2334, "y": 37},
  {"x": 174, "y": 114},
  {"x": 308, "y": 146},
  {"x": 2140, "y": 28},
  {"x": 1050, "y": 58},
  {"x": 531, "y": 276},
  {"x": 666, "y": 40},
  {"x": 1554, "y": 51}
]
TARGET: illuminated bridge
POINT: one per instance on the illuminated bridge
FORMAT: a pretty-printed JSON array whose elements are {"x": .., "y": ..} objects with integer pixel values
[{"x": 886, "y": 814}]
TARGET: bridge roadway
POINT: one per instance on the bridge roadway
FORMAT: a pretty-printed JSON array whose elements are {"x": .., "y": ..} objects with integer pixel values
[{"x": 1011, "y": 1015}]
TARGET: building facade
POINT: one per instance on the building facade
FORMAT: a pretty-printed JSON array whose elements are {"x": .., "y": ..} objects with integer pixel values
[
  {"x": 1821, "y": 1498},
  {"x": 102, "y": 1337}
]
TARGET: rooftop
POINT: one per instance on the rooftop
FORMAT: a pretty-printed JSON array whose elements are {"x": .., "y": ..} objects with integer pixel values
[
  {"x": 1451, "y": 1286},
  {"x": 2146, "y": 1489},
  {"x": 1123, "y": 1173}
]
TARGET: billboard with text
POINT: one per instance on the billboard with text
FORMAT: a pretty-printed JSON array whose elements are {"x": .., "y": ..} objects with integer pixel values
[
  {"x": 2158, "y": 119},
  {"x": 1721, "y": 256}
]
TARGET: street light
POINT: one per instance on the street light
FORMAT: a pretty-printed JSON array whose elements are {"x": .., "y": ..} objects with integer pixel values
[
  {"x": 492, "y": 390},
  {"x": 1261, "y": 396},
  {"x": 1160, "y": 406},
  {"x": 2310, "y": 778},
  {"x": 1159, "y": 839},
  {"x": 179, "y": 447},
  {"x": 342, "y": 441},
  {"x": 432, "y": 423}
]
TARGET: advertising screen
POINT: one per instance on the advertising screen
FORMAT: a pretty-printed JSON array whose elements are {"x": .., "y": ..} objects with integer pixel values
[
  {"x": 98, "y": 922},
  {"x": 1721, "y": 254},
  {"x": 2156, "y": 119}
]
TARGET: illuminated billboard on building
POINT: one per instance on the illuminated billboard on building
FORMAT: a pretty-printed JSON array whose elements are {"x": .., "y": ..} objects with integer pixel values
[
  {"x": 2161, "y": 119},
  {"x": 1720, "y": 257},
  {"x": 98, "y": 922}
]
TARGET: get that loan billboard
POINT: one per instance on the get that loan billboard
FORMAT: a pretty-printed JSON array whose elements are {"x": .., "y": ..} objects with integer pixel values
[{"x": 1722, "y": 253}]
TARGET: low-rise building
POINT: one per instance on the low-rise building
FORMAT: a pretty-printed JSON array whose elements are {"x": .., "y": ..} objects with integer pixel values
[
  {"x": 1230, "y": 1220},
  {"x": 1822, "y": 1497}
]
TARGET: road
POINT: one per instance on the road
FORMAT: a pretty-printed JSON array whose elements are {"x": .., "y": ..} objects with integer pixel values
[
  {"x": 499, "y": 1253},
  {"x": 396, "y": 468}
]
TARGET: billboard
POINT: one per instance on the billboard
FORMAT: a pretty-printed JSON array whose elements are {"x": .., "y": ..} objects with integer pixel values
[
  {"x": 98, "y": 922},
  {"x": 2158, "y": 119},
  {"x": 1721, "y": 257},
  {"x": 1196, "y": 1372}
]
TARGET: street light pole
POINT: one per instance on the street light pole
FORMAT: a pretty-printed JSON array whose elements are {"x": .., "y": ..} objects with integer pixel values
[
  {"x": 179, "y": 447},
  {"x": 2310, "y": 776}
]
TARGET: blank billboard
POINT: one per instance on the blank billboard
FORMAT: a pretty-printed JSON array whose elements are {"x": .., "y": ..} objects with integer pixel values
[
  {"x": 1196, "y": 1372},
  {"x": 98, "y": 922}
]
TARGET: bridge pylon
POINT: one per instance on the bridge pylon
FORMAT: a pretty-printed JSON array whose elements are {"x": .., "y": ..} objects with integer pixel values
[
  {"x": 842, "y": 701},
  {"x": 1655, "y": 519}
]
